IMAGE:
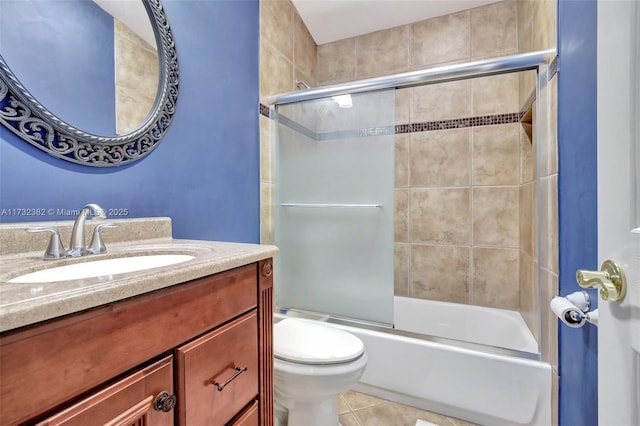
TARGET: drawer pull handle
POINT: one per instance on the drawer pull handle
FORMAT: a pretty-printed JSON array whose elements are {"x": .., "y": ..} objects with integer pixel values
[{"x": 239, "y": 371}]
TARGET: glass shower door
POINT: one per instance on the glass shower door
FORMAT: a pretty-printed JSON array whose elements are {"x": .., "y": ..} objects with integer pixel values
[{"x": 334, "y": 204}]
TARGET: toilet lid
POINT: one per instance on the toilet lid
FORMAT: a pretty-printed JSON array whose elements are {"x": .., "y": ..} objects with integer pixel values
[{"x": 309, "y": 343}]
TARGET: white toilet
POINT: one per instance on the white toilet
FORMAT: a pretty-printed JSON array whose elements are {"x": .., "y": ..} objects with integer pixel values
[{"x": 314, "y": 363}]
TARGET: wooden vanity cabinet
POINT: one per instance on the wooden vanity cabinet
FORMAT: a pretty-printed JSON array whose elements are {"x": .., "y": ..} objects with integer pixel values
[
  {"x": 207, "y": 341},
  {"x": 128, "y": 402}
]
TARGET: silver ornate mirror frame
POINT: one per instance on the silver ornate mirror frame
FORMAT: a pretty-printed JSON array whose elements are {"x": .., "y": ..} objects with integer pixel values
[{"x": 27, "y": 118}]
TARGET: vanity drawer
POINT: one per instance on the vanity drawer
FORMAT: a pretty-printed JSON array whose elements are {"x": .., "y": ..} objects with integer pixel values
[
  {"x": 248, "y": 417},
  {"x": 130, "y": 401},
  {"x": 217, "y": 374}
]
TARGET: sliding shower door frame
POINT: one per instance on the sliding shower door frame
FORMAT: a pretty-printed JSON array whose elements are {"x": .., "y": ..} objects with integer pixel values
[{"x": 544, "y": 63}]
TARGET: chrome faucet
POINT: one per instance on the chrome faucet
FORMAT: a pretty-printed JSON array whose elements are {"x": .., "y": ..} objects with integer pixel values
[{"x": 78, "y": 244}]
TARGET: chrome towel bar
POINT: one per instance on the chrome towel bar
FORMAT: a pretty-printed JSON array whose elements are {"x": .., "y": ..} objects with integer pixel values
[{"x": 331, "y": 206}]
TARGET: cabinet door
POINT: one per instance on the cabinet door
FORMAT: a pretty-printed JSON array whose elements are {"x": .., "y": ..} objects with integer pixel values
[
  {"x": 217, "y": 374},
  {"x": 128, "y": 402}
]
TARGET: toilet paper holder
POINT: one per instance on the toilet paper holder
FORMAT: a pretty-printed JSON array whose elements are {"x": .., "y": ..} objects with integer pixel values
[{"x": 574, "y": 309}]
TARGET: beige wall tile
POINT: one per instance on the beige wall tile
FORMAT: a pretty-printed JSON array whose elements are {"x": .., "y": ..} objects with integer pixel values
[
  {"x": 304, "y": 49},
  {"x": 402, "y": 106},
  {"x": 440, "y": 158},
  {"x": 299, "y": 75},
  {"x": 494, "y": 28},
  {"x": 497, "y": 94},
  {"x": 442, "y": 39},
  {"x": 337, "y": 61},
  {"x": 402, "y": 253},
  {"x": 132, "y": 109},
  {"x": 440, "y": 215},
  {"x": 495, "y": 278},
  {"x": 527, "y": 87},
  {"x": 536, "y": 329},
  {"x": 276, "y": 25},
  {"x": 401, "y": 217},
  {"x": 536, "y": 221},
  {"x": 549, "y": 322},
  {"x": 136, "y": 78},
  {"x": 549, "y": 223},
  {"x": 554, "y": 256},
  {"x": 266, "y": 213},
  {"x": 553, "y": 126},
  {"x": 528, "y": 293},
  {"x": 495, "y": 216},
  {"x": 124, "y": 32},
  {"x": 266, "y": 149},
  {"x": 440, "y": 273},
  {"x": 527, "y": 212},
  {"x": 527, "y": 158},
  {"x": 276, "y": 75},
  {"x": 511, "y": 52},
  {"x": 547, "y": 138},
  {"x": 382, "y": 52},
  {"x": 402, "y": 160},
  {"x": 442, "y": 101},
  {"x": 544, "y": 24},
  {"x": 544, "y": 224},
  {"x": 525, "y": 25},
  {"x": 136, "y": 64},
  {"x": 496, "y": 155}
]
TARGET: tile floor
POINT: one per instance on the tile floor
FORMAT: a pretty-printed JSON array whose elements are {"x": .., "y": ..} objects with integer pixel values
[{"x": 358, "y": 409}]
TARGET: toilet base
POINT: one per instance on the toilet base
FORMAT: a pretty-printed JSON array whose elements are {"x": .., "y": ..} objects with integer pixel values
[{"x": 318, "y": 413}]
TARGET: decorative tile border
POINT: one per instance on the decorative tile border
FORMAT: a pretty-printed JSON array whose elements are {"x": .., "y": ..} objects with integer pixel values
[
  {"x": 460, "y": 123},
  {"x": 428, "y": 126},
  {"x": 264, "y": 110}
]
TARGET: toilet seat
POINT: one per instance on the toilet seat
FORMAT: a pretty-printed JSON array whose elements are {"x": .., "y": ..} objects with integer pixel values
[{"x": 306, "y": 342}]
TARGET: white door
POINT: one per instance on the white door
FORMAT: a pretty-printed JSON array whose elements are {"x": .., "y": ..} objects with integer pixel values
[{"x": 619, "y": 208}]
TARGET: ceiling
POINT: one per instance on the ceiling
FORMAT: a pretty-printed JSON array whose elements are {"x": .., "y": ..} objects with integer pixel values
[
  {"x": 133, "y": 15},
  {"x": 333, "y": 20}
]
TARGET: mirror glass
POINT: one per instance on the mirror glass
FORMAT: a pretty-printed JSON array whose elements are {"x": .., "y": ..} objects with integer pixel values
[
  {"x": 83, "y": 86},
  {"x": 92, "y": 63}
]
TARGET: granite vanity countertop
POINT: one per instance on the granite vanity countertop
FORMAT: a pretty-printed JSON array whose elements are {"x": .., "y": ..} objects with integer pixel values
[{"x": 29, "y": 303}]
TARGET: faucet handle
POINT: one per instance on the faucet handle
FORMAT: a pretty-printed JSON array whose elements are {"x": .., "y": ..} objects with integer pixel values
[
  {"x": 97, "y": 245},
  {"x": 55, "y": 249}
]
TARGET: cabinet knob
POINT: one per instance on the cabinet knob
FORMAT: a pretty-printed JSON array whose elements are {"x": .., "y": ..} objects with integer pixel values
[{"x": 164, "y": 402}]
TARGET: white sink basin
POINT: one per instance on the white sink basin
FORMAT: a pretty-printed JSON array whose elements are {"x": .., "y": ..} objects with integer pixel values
[{"x": 98, "y": 268}]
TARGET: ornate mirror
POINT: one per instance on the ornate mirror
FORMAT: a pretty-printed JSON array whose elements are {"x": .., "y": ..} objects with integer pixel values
[{"x": 39, "y": 103}]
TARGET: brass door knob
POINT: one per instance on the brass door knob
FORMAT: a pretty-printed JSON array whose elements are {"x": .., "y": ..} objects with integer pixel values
[{"x": 610, "y": 280}]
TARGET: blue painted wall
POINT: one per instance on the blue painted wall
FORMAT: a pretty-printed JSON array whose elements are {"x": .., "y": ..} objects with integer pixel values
[
  {"x": 577, "y": 183},
  {"x": 205, "y": 173},
  {"x": 58, "y": 50}
]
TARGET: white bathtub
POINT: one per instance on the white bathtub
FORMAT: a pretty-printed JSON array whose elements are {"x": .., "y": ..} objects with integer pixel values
[
  {"x": 488, "y": 326},
  {"x": 475, "y": 385}
]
